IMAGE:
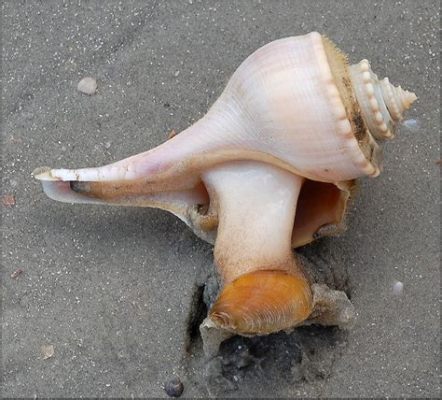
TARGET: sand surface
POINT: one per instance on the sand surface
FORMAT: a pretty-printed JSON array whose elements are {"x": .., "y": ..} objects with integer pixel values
[{"x": 116, "y": 291}]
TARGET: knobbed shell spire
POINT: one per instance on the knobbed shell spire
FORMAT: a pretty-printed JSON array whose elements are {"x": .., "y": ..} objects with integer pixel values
[
  {"x": 382, "y": 104},
  {"x": 271, "y": 166}
]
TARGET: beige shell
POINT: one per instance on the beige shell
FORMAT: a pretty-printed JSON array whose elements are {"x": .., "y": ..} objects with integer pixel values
[{"x": 271, "y": 165}]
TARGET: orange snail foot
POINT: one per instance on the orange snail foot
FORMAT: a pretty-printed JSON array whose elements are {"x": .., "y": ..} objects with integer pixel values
[{"x": 263, "y": 302}]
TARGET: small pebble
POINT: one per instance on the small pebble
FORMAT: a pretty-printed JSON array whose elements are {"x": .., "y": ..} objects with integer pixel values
[
  {"x": 411, "y": 124},
  {"x": 87, "y": 85},
  {"x": 16, "y": 273},
  {"x": 398, "y": 288},
  {"x": 47, "y": 351},
  {"x": 174, "y": 387},
  {"x": 8, "y": 200}
]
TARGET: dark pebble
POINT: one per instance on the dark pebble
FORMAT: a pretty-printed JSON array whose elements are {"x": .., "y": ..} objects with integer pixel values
[{"x": 174, "y": 387}]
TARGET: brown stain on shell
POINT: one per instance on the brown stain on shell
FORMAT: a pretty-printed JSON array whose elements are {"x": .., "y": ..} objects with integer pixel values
[{"x": 339, "y": 67}]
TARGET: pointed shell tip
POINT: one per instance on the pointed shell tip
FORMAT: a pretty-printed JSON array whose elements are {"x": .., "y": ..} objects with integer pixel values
[
  {"x": 409, "y": 99},
  {"x": 43, "y": 174}
]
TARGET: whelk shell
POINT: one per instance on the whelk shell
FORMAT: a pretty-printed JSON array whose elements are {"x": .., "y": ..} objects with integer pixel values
[{"x": 271, "y": 166}]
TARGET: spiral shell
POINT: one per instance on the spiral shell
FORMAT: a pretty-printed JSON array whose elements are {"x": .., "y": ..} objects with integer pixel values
[
  {"x": 271, "y": 165},
  {"x": 382, "y": 104}
]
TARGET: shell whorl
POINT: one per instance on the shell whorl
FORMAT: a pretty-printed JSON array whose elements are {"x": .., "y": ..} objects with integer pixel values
[
  {"x": 382, "y": 104},
  {"x": 396, "y": 99}
]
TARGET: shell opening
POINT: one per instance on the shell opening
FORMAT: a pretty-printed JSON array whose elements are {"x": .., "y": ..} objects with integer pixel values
[{"x": 320, "y": 211}]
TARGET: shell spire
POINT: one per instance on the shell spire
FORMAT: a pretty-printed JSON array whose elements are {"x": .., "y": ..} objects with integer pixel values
[
  {"x": 396, "y": 99},
  {"x": 382, "y": 104}
]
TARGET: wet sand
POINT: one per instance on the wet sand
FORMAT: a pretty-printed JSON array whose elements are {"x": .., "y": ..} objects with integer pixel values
[{"x": 116, "y": 291}]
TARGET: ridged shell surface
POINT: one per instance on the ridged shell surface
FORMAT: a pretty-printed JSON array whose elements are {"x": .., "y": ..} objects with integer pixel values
[{"x": 283, "y": 100}]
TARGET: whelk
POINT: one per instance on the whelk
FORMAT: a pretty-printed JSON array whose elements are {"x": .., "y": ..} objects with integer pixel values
[{"x": 270, "y": 167}]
